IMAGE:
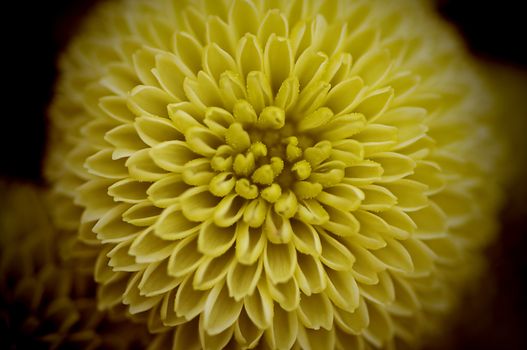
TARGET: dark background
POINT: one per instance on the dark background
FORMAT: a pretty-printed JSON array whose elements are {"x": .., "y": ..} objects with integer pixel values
[{"x": 35, "y": 32}]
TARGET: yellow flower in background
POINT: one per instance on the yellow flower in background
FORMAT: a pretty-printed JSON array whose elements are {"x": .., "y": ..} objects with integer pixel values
[
  {"x": 304, "y": 174},
  {"x": 48, "y": 300}
]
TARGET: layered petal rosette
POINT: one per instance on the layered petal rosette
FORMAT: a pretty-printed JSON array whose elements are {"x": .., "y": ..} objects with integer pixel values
[
  {"x": 47, "y": 296},
  {"x": 281, "y": 174}
]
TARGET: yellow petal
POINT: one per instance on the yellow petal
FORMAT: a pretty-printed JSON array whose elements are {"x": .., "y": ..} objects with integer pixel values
[
  {"x": 246, "y": 332},
  {"x": 279, "y": 262},
  {"x": 306, "y": 238},
  {"x": 119, "y": 260},
  {"x": 156, "y": 281},
  {"x": 221, "y": 311},
  {"x": 143, "y": 168},
  {"x": 310, "y": 274},
  {"x": 375, "y": 103},
  {"x": 125, "y": 140},
  {"x": 243, "y": 17},
  {"x": 167, "y": 314},
  {"x": 189, "y": 302},
  {"x": 112, "y": 228},
  {"x": 187, "y": 336},
  {"x": 343, "y": 290},
  {"x": 189, "y": 50},
  {"x": 220, "y": 33},
  {"x": 282, "y": 335},
  {"x": 242, "y": 279},
  {"x": 395, "y": 256},
  {"x": 342, "y": 196},
  {"x": 249, "y": 55},
  {"x": 203, "y": 91},
  {"x": 173, "y": 225},
  {"x": 353, "y": 322},
  {"x": 136, "y": 302},
  {"x": 198, "y": 204},
  {"x": 202, "y": 141},
  {"x": 170, "y": 71},
  {"x": 310, "y": 339},
  {"x": 212, "y": 270},
  {"x": 334, "y": 254},
  {"x": 383, "y": 293},
  {"x": 343, "y": 97},
  {"x": 102, "y": 164},
  {"x": 287, "y": 294},
  {"x": 278, "y": 60},
  {"x": 381, "y": 328},
  {"x": 172, "y": 155},
  {"x": 215, "y": 240},
  {"x": 229, "y": 210},
  {"x": 214, "y": 342},
  {"x": 185, "y": 257},
  {"x": 274, "y": 22},
  {"x": 147, "y": 248},
  {"x": 129, "y": 191},
  {"x": 260, "y": 307},
  {"x": 166, "y": 191},
  {"x": 155, "y": 130},
  {"x": 341, "y": 223},
  {"x": 316, "y": 311},
  {"x": 149, "y": 101},
  {"x": 216, "y": 61},
  {"x": 311, "y": 212},
  {"x": 410, "y": 194},
  {"x": 377, "y": 198},
  {"x": 250, "y": 243}
]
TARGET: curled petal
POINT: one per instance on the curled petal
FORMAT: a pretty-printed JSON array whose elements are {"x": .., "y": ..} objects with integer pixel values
[
  {"x": 185, "y": 257},
  {"x": 173, "y": 225},
  {"x": 212, "y": 270},
  {"x": 343, "y": 290},
  {"x": 147, "y": 248},
  {"x": 172, "y": 155},
  {"x": 260, "y": 307},
  {"x": 334, "y": 254},
  {"x": 156, "y": 281},
  {"x": 282, "y": 334},
  {"x": 250, "y": 243},
  {"x": 189, "y": 302},
  {"x": 242, "y": 279},
  {"x": 221, "y": 311},
  {"x": 198, "y": 204},
  {"x": 316, "y": 311},
  {"x": 353, "y": 322},
  {"x": 310, "y": 274},
  {"x": 279, "y": 262},
  {"x": 215, "y": 240}
]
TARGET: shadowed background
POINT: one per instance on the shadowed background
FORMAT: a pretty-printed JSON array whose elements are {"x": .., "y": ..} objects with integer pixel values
[{"x": 36, "y": 31}]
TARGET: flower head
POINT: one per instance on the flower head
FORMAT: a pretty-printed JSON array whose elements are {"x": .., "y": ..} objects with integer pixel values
[{"x": 305, "y": 173}]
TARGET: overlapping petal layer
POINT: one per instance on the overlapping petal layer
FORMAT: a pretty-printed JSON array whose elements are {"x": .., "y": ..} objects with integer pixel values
[
  {"x": 47, "y": 294},
  {"x": 278, "y": 174}
]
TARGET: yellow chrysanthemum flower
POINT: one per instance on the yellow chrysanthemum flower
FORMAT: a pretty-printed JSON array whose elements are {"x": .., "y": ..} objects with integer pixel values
[
  {"x": 285, "y": 174},
  {"x": 46, "y": 299}
]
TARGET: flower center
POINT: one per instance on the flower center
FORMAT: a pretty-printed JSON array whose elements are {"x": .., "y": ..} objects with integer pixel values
[{"x": 268, "y": 155}]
